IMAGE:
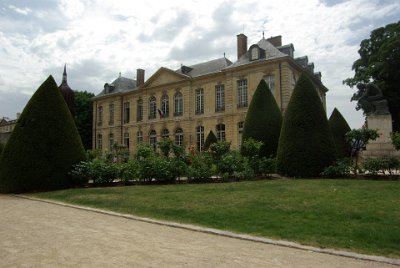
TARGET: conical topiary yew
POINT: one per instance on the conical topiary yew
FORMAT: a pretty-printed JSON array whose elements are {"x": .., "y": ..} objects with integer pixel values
[
  {"x": 211, "y": 138},
  {"x": 339, "y": 128},
  {"x": 43, "y": 146},
  {"x": 306, "y": 145},
  {"x": 263, "y": 120}
]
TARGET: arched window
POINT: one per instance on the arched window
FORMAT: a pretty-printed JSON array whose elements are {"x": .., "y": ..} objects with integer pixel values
[
  {"x": 139, "y": 137},
  {"x": 152, "y": 108},
  {"x": 200, "y": 138},
  {"x": 179, "y": 136},
  {"x": 165, "y": 133},
  {"x": 220, "y": 132},
  {"x": 199, "y": 101},
  {"x": 153, "y": 139},
  {"x": 165, "y": 105},
  {"x": 126, "y": 139},
  {"x": 139, "y": 110},
  {"x": 110, "y": 141},
  {"x": 99, "y": 141},
  {"x": 242, "y": 93},
  {"x": 178, "y": 104}
]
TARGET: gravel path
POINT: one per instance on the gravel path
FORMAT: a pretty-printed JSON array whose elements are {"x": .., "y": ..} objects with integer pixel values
[{"x": 38, "y": 234}]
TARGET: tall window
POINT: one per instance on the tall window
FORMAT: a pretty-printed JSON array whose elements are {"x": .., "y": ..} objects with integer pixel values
[
  {"x": 111, "y": 111},
  {"x": 139, "y": 137},
  {"x": 179, "y": 137},
  {"x": 99, "y": 141},
  {"x": 100, "y": 115},
  {"x": 153, "y": 139},
  {"x": 199, "y": 101},
  {"x": 110, "y": 141},
  {"x": 240, "y": 133},
  {"x": 242, "y": 93},
  {"x": 152, "y": 108},
  {"x": 178, "y": 104},
  {"x": 165, "y": 105},
  {"x": 165, "y": 133},
  {"x": 200, "y": 137},
  {"x": 127, "y": 112},
  {"x": 270, "y": 80},
  {"x": 219, "y": 98},
  {"x": 139, "y": 110},
  {"x": 220, "y": 132},
  {"x": 126, "y": 139}
]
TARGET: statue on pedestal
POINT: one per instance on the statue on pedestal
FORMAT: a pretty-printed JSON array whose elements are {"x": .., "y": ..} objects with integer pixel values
[{"x": 372, "y": 100}]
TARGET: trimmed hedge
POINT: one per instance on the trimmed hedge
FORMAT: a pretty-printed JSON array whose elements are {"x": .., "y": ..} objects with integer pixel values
[
  {"x": 44, "y": 145},
  {"x": 339, "y": 128},
  {"x": 306, "y": 145},
  {"x": 263, "y": 120}
]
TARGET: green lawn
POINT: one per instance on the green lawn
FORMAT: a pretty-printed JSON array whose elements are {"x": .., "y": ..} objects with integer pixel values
[{"x": 354, "y": 215}]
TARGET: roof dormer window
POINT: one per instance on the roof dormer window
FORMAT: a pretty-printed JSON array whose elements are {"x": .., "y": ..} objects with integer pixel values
[{"x": 254, "y": 53}]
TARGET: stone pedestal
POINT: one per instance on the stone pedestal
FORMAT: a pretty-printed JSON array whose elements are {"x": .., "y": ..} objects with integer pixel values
[{"x": 382, "y": 146}]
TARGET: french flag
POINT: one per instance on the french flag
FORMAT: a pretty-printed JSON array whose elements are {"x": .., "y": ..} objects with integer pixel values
[{"x": 161, "y": 113}]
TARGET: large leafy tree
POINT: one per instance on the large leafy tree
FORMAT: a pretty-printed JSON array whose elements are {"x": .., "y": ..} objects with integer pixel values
[
  {"x": 379, "y": 63},
  {"x": 84, "y": 116},
  {"x": 263, "y": 120},
  {"x": 44, "y": 145},
  {"x": 306, "y": 145}
]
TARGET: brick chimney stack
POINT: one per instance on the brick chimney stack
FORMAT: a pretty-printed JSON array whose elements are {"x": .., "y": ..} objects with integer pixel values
[
  {"x": 276, "y": 41},
  {"x": 241, "y": 45},
  {"x": 139, "y": 77}
]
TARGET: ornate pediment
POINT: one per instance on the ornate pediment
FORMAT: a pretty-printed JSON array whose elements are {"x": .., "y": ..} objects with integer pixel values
[{"x": 165, "y": 76}]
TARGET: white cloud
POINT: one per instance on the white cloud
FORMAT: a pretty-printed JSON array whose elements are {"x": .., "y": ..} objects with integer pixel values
[{"x": 98, "y": 39}]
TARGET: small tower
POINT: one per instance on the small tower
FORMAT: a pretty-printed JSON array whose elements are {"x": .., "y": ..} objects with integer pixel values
[{"x": 67, "y": 92}]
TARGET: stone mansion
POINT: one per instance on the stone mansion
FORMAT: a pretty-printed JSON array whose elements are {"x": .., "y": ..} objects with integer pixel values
[{"x": 186, "y": 104}]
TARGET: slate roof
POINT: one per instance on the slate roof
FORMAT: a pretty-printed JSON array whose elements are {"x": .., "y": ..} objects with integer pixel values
[
  {"x": 204, "y": 68},
  {"x": 269, "y": 50},
  {"x": 121, "y": 84}
]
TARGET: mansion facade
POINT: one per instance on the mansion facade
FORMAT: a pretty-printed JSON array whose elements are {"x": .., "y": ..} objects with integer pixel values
[{"x": 186, "y": 104}]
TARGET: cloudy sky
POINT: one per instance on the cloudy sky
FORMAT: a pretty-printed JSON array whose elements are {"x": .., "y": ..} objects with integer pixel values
[{"x": 97, "y": 39}]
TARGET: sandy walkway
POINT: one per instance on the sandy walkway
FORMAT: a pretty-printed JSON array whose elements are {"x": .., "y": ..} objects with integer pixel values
[{"x": 37, "y": 234}]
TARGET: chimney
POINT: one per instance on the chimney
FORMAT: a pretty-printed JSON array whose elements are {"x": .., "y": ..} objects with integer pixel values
[
  {"x": 276, "y": 41},
  {"x": 241, "y": 45},
  {"x": 139, "y": 77}
]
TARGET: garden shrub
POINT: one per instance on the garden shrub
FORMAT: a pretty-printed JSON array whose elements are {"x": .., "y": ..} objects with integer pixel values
[
  {"x": 266, "y": 166},
  {"x": 339, "y": 128},
  {"x": 81, "y": 172},
  {"x": 263, "y": 120},
  {"x": 144, "y": 150},
  {"x": 161, "y": 169},
  {"x": 218, "y": 149},
  {"x": 339, "y": 168},
  {"x": 129, "y": 171},
  {"x": 200, "y": 168},
  {"x": 251, "y": 148},
  {"x": 396, "y": 140},
  {"x": 165, "y": 146},
  {"x": 233, "y": 165},
  {"x": 375, "y": 166},
  {"x": 43, "y": 146},
  {"x": 306, "y": 145}
]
